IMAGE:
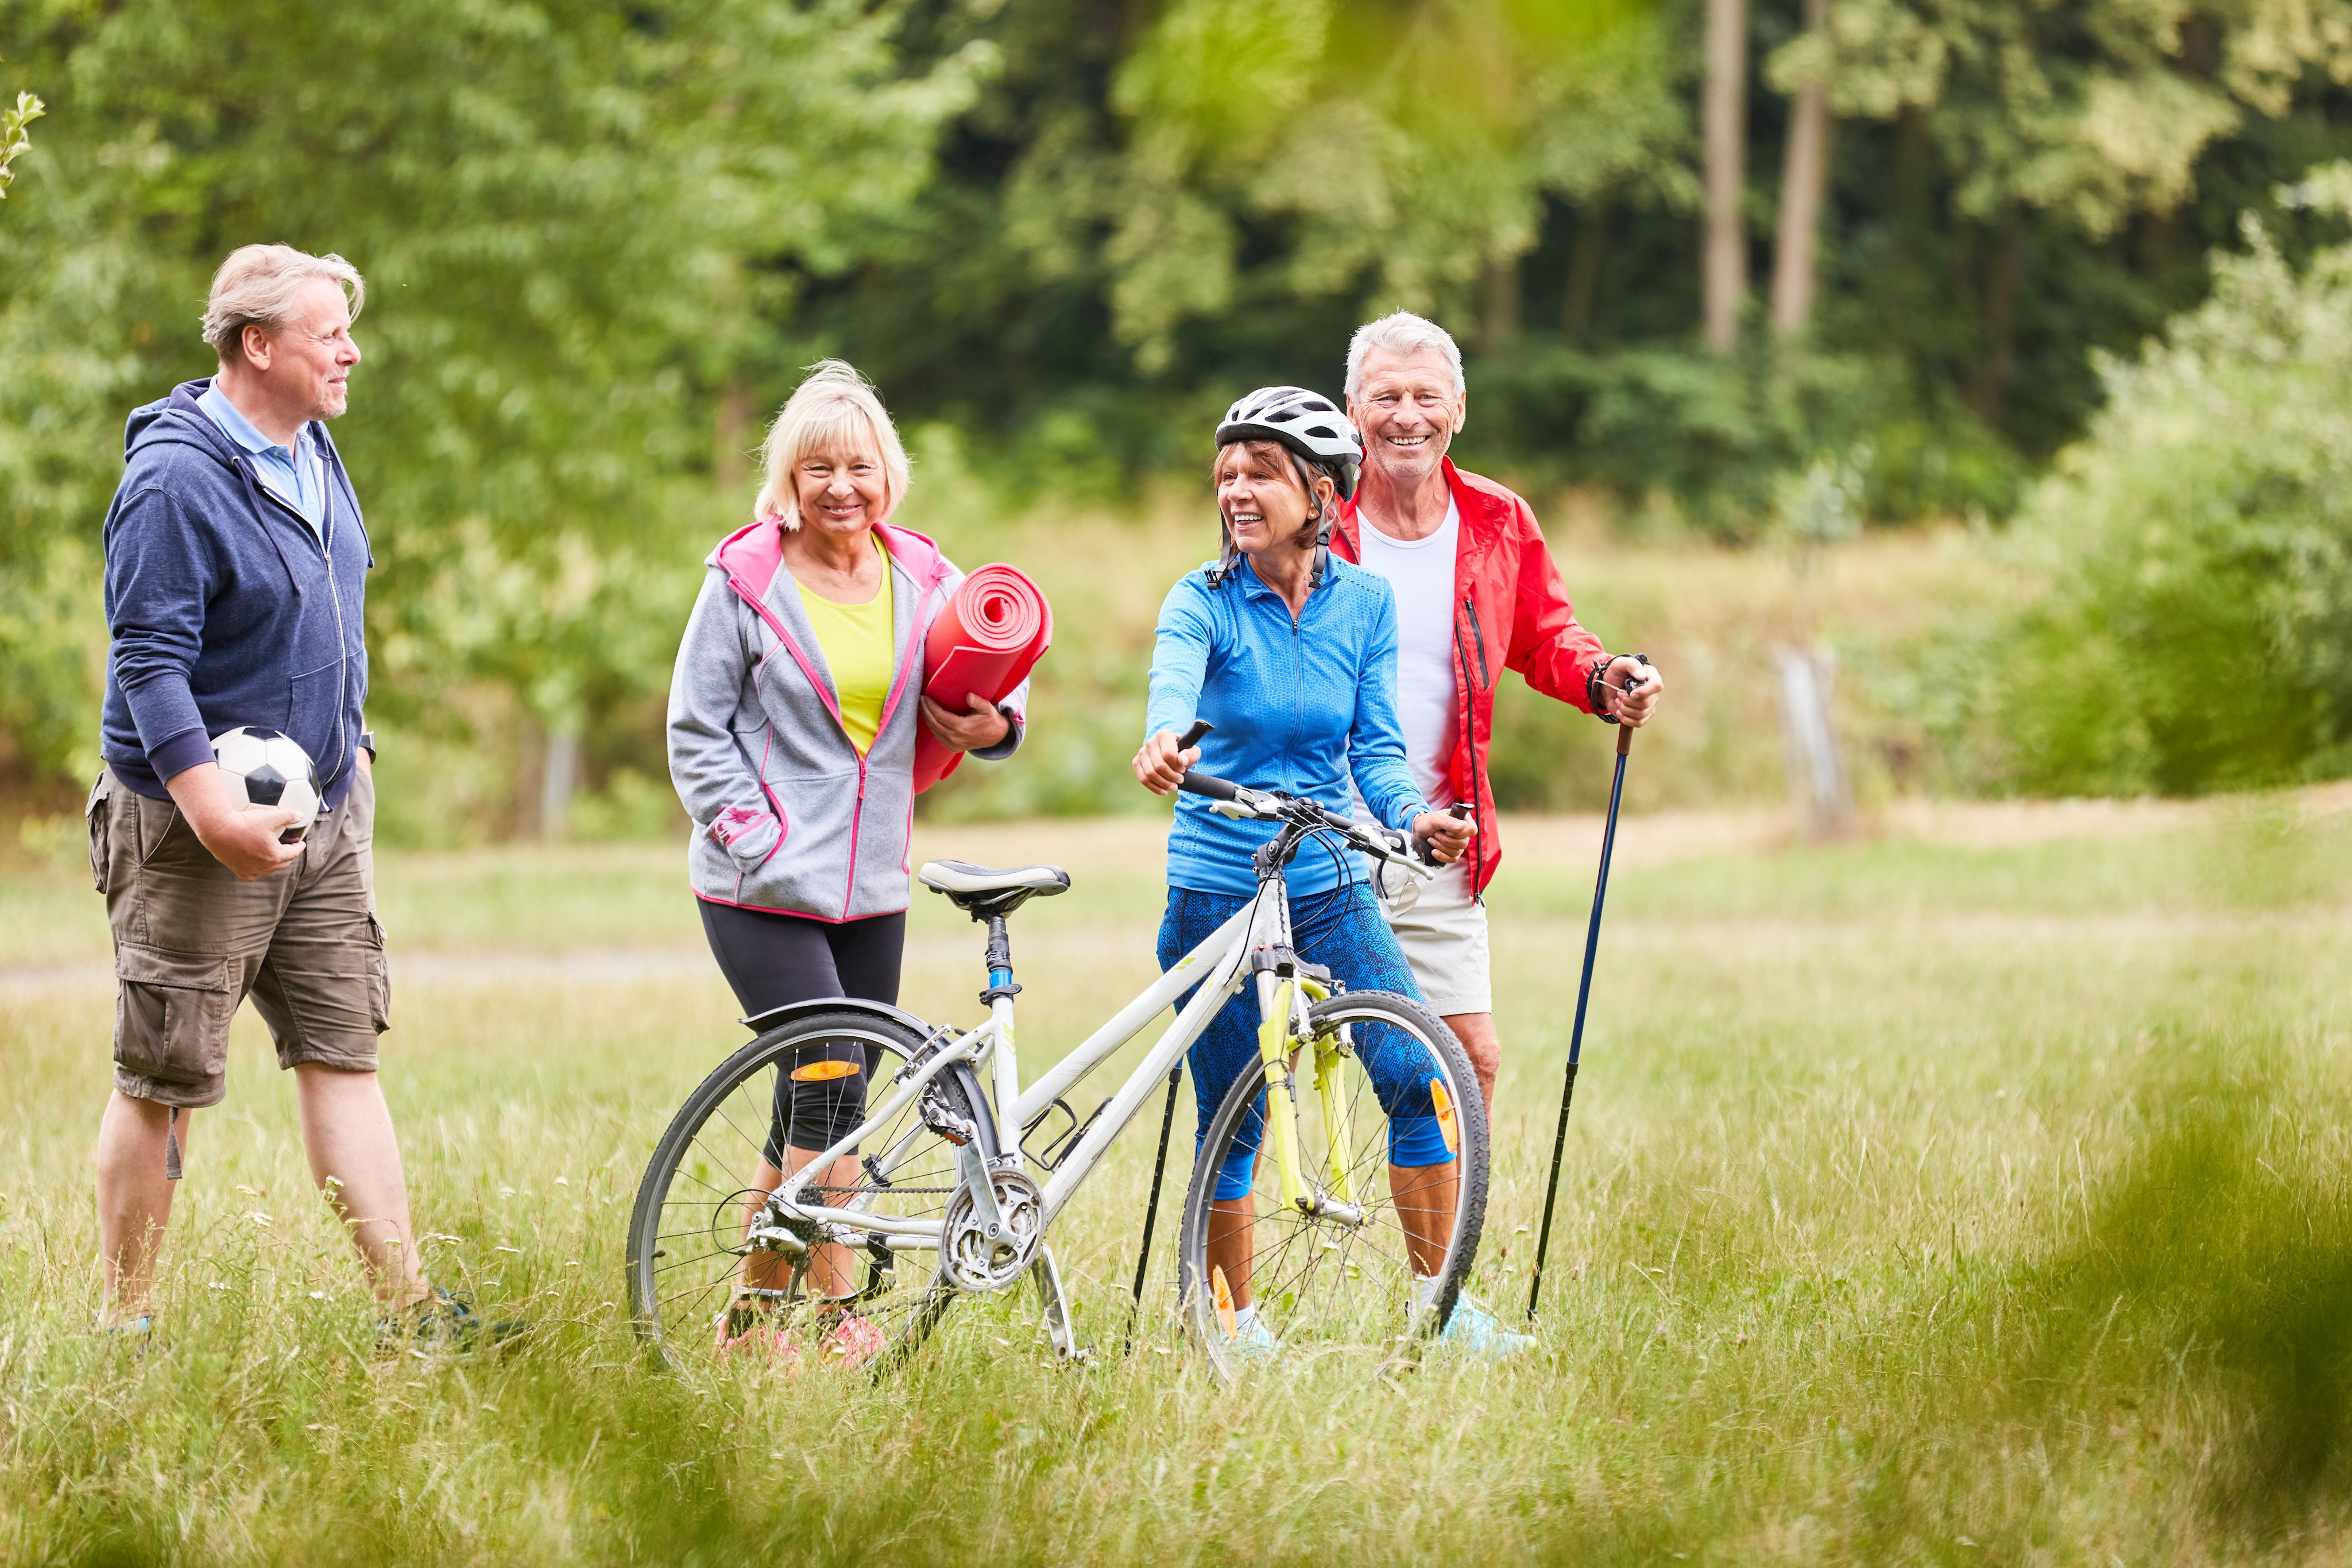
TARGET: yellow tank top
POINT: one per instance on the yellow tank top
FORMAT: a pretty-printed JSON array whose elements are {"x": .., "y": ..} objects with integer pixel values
[{"x": 856, "y": 642}]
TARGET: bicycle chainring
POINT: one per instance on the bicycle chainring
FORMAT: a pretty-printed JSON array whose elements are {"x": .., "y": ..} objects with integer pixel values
[{"x": 978, "y": 1261}]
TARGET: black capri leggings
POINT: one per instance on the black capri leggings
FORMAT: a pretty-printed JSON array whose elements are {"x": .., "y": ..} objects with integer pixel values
[{"x": 774, "y": 960}]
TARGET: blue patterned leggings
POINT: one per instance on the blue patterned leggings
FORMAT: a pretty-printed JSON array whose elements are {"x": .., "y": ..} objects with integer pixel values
[{"x": 1343, "y": 932}]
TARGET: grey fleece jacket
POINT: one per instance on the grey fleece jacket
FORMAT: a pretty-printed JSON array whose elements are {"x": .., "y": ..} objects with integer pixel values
[{"x": 789, "y": 818}]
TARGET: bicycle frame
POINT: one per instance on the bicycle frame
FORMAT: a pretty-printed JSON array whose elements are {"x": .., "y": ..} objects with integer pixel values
[
  {"x": 1215, "y": 966},
  {"x": 1218, "y": 964}
]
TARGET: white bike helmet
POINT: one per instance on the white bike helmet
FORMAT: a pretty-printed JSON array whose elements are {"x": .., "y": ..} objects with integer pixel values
[
  {"x": 1320, "y": 440},
  {"x": 1307, "y": 423}
]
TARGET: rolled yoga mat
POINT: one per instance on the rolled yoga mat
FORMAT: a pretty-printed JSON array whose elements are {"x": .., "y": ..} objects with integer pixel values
[{"x": 989, "y": 636}]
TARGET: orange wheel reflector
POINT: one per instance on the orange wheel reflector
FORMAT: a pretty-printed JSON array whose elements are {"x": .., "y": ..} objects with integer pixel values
[
  {"x": 1445, "y": 1127},
  {"x": 1223, "y": 1293},
  {"x": 821, "y": 1071}
]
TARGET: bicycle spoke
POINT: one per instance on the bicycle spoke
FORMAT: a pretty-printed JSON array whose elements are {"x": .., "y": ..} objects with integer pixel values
[
  {"x": 1316, "y": 1282},
  {"x": 702, "y": 1191}
]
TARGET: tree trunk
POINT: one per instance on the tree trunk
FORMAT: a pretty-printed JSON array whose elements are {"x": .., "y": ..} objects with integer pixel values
[
  {"x": 732, "y": 434},
  {"x": 1723, "y": 113},
  {"x": 558, "y": 779},
  {"x": 1804, "y": 180},
  {"x": 1498, "y": 320},
  {"x": 1585, "y": 254},
  {"x": 1913, "y": 155},
  {"x": 2004, "y": 280}
]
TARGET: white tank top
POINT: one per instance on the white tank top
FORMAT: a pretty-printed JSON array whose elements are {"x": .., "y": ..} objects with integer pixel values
[{"x": 1422, "y": 574}]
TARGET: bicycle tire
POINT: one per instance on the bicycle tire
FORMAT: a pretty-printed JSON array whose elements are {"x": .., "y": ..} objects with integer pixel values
[
  {"x": 1322, "y": 1285},
  {"x": 674, "y": 1228}
]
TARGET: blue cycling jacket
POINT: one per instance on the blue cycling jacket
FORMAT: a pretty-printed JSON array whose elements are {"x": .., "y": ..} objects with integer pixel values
[{"x": 1294, "y": 704}]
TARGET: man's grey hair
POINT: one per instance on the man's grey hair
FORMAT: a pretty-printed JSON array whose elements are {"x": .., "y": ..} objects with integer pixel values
[
  {"x": 1402, "y": 333},
  {"x": 255, "y": 287}
]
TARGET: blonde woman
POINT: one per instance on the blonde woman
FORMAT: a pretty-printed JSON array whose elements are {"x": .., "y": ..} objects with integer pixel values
[{"x": 792, "y": 742}]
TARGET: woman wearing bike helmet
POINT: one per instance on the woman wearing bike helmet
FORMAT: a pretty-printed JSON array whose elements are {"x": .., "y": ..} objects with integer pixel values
[{"x": 1291, "y": 654}]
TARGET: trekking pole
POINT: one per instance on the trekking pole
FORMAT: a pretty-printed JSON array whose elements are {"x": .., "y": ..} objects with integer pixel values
[
  {"x": 1151, "y": 1208},
  {"x": 1193, "y": 735},
  {"x": 1583, "y": 995}
]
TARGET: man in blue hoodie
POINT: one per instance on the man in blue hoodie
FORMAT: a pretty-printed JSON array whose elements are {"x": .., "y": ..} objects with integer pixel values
[{"x": 235, "y": 582}]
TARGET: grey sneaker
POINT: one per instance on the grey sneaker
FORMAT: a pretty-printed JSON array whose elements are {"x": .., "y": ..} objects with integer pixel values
[{"x": 444, "y": 1320}]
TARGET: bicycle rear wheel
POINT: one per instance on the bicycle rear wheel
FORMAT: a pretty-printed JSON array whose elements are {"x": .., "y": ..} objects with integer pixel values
[
  {"x": 698, "y": 1286},
  {"x": 1388, "y": 1235}
]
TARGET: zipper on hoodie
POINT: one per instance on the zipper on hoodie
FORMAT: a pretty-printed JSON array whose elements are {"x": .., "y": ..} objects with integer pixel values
[
  {"x": 898, "y": 690},
  {"x": 334, "y": 594},
  {"x": 1298, "y": 699}
]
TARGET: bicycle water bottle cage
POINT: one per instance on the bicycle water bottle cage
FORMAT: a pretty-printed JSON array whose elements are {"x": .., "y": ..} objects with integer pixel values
[{"x": 981, "y": 890}]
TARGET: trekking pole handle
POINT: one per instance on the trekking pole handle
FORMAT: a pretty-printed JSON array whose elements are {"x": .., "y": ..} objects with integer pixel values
[{"x": 1425, "y": 851}]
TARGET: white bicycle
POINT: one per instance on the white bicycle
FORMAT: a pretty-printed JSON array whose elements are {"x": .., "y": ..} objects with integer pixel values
[{"x": 837, "y": 1184}]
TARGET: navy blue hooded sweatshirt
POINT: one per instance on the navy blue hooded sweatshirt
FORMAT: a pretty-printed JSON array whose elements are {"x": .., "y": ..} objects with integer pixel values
[{"x": 223, "y": 607}]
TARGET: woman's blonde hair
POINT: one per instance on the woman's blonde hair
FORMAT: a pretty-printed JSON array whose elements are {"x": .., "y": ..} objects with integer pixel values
[{"x": 836, "y": 413}]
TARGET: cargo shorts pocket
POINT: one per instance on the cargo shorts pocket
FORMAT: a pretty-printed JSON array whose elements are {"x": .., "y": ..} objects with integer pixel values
[
  {"x": 379, "y": 974},
  {"x": 172, "y": 1015},
  {"x": 95, "y": 813}
]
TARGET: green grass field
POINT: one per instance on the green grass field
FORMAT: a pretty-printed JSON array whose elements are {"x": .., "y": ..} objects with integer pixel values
[{"x": 1978, "y": 1193}]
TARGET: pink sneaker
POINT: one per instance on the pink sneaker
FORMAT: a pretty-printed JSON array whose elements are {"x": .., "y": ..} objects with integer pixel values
[
  {"x": 855, "y": 1340},
  {"x": 745, "y": 1331}
]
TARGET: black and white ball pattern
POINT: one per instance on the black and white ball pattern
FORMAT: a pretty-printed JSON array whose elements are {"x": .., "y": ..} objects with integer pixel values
[{"x": 270, "y": 769}]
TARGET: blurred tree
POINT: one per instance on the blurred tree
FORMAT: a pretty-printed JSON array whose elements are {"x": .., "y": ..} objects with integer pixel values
[
  {"x": 1804, "y": 181},
  {"x": 2083, "y": 117},
  {"x": 2199, "y": 635},
  {"x": 572, "y": 215},
  {"x": 1723, "y": 116}
]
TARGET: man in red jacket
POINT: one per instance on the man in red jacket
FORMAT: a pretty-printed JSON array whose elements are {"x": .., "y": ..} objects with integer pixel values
[{"x": 1477, "y": 594}]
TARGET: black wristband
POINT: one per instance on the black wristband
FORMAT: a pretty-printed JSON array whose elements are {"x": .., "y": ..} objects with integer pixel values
[
  {"x": 1593, "y": 683},
  {"x": 1599, "y": 678}
]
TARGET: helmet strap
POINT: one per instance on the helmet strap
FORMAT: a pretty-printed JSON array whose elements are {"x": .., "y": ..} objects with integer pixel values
[
  {"x": 1226, "y": 555},
  {"x": 1321, "y": 515}
]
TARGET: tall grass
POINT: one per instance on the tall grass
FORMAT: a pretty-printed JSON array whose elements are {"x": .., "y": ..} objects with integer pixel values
[{"x": 1924, "y": 1204}]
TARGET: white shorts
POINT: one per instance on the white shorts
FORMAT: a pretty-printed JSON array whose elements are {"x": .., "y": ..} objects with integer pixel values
[{"x": 1442, "y": 930}]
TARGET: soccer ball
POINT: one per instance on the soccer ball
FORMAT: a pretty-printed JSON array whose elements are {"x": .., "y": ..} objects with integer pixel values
[{"x": 266, "y": 768}]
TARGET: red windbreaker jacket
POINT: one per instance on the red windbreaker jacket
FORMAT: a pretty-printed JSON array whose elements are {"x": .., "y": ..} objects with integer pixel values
[{"x": 1511, "y": 611}]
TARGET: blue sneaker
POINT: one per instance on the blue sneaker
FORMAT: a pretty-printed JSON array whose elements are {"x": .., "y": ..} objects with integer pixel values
[
  {"x": 1472, "y": 1331},
  {"x": 1254, "y": 1344},
  {"x": 138, "y": 1332}
]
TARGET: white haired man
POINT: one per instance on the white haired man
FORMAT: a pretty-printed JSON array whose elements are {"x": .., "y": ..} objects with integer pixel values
[
  {"x": 1477, "y": 594},
  {"x": 236, "y": 580}
]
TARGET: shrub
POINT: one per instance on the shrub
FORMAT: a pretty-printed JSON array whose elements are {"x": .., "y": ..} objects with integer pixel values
[{"x": 2197, "y": 635}]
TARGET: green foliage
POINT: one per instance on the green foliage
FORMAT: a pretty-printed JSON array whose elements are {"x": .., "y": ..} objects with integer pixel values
[
  {"x": 603, "y": 238},
  {"x": 14, "y": 142},
  {"x": 2199, "y": 633},
  {"x": 1903, "y": 1203},
  {"x": 574, "y": 220}
]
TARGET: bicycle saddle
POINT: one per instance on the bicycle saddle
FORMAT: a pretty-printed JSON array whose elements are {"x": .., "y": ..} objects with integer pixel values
[{"x": 985, "y": 889}]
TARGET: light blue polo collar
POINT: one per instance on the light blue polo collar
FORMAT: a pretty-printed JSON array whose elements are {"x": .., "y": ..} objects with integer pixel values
[{"x": 297, "y": 465}]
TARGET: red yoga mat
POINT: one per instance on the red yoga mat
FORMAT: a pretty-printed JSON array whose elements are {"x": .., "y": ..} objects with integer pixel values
[{"x": 989, "y": 636}]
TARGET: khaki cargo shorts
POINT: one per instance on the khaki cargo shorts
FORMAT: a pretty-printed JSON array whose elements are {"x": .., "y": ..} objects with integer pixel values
[
  {"x": 1442, "y": 930},
  {"x": 190, "y": 942}
]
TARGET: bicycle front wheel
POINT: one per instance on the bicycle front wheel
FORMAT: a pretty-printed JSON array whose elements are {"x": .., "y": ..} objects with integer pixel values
[
  {"x": 1391, "y": 1156},
  {"x": 699, "y": 1283}
]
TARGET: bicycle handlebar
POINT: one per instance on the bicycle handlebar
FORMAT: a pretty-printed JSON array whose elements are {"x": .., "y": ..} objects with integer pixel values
[{"x": 1277, "y": 805}]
